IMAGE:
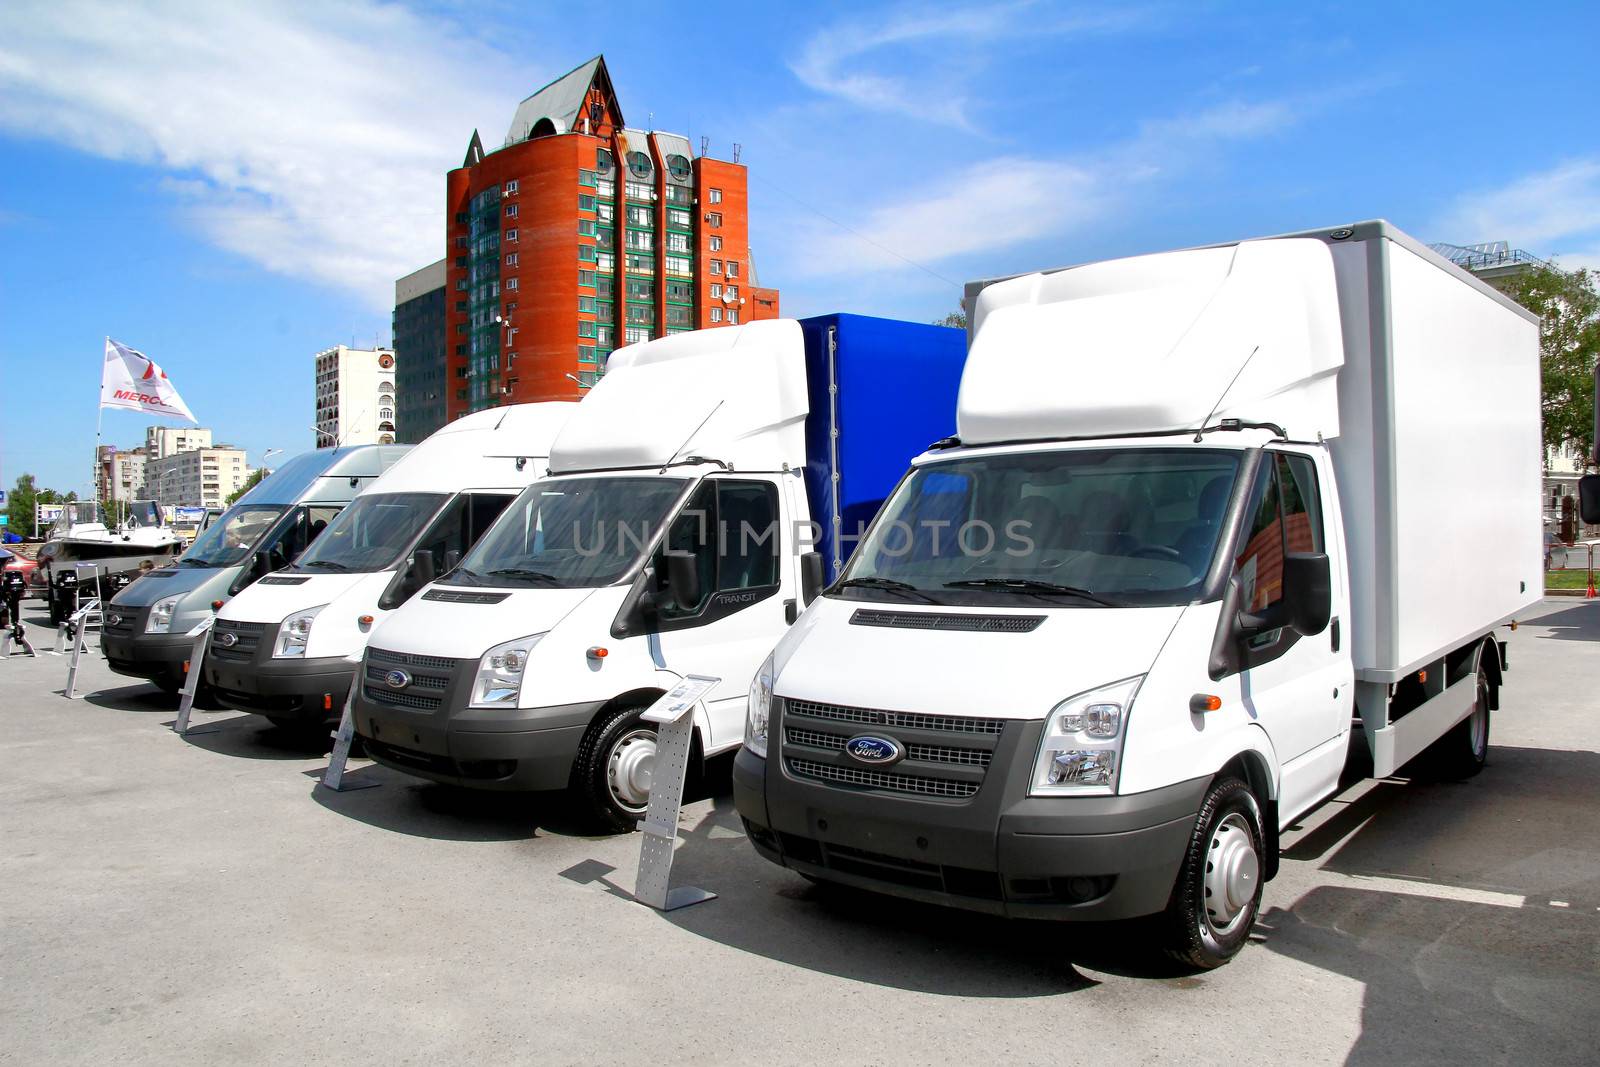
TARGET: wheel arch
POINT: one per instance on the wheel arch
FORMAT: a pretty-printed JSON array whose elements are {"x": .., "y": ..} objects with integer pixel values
[
  {"x": 1256, "y": 767},
  {"x": 642, "y": 697}
]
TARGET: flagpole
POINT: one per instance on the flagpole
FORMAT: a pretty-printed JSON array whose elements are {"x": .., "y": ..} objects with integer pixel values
[{"x": 99, "y": 419}]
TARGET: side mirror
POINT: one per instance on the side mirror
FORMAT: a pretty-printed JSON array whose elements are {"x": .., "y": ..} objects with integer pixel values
[
  {"x": 683, "y": 580},
  {"x": 422, "y": 568},
  {"x": 1308, "y": 589},
  {"x": 261, "y": 565},
  {"x": 1589, "y": 498},
  {"x": 452, "y": 558},
  {"x": 810, "y": 576}
]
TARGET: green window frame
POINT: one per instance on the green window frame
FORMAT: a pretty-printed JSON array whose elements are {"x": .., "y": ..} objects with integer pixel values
[
  {"x": 585, "y": 328},
  {"x": 586, "y": 278},
  {"x": 585, "y": 202},
  {"x": 587, "y": 254},
  {"x": 587, "y": 228},
  {"x": 586, "y": 304},
  {"x": 588, "y": 179}
]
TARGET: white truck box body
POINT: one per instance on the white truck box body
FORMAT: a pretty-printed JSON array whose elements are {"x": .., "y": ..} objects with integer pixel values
[{"x": 1424, "y": 410}]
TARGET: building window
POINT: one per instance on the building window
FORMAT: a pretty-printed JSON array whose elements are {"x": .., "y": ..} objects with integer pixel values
[
  {"x": 677, "y": 242},
  {"x": 586, "y": 278},
  {"x": 511, "y": 259},
  {"x": 715, "y": 196},
  {"x": 733, "y": 268},
  {"x": 586, "y": 254},
  {"x": 679, "y": 316},
  {"x": 605, "y": 310},
  {"x": 511, "y": 188},
  {"x": 461, "y": 218},
  {"x": 461, "y": 241},
  {"x": 642, "y": 240},
  {"x": 714, "y": 218},
  {"x": 716, "y": 314},
  {"x": 641, "y": 289},
  {"x": 511, "y": 235},
  {"x": 716, "y": 290},
  {"x": 606, "y": 288},
  {"x": 606, "y": 261},
  {"x": 586, "y": 305},
  {"x": 603, "y": 160},
  {"x": 678, "y": 265},
  {"x": 639, "y": 216},
  {"x": 640, "y": 191},
  {"x": 606, "y": 187},
  {"x": 681, "y": 292},
  {"x": 641, "y": 313},
  {"x": 586, "y": 353},
  {"x": 641, "y": 262},
  {"x": 587, "y": 378},
  {"x": 716, "y": 267},
  {"x": 634, "y": 334},
  {"x": 386, "y": 413},
  {"x": 511, "y": 211},
  {"x": 733, "y": 316},
  {"x": 588, "y": 179},
  {"x": 716, "y": 244},
  {"x": 511, "y": 283},
  {"x": 587, "y": 228},
  {"x": 585, "y": 328},
  {"x": 732, "y": 291},
  {"x": 604, "y": 334},
  {"x": 680, "y": 194},
  {"x": 639, "y": 165},
  {"x": 606, "y": 212},
  {"x": 676, "y": 216}
]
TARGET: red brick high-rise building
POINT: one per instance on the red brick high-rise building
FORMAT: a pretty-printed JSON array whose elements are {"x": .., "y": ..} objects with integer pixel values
[{"x": 581, "y": 235}]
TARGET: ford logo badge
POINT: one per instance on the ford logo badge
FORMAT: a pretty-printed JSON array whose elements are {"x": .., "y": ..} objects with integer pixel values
[
  {"x": 115, "y": 619},
  {"x": 227, "y": 639},
  {"x": 397, "y": 679},
  {"x": 868, "y": 749}
]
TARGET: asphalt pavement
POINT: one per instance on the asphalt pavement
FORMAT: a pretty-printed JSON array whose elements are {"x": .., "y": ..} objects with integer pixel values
[{"x": 199, "y": 899}]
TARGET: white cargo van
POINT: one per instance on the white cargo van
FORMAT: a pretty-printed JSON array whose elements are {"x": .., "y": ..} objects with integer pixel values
[
  {"x": 282, "y": 647},
  {"x": 673, "y": 536},
  {"x": 1210, "y": 518}
]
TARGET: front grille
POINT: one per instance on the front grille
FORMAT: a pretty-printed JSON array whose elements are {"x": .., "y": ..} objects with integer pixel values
[
  {"x": 906, "y": 720},
  {"x": 405, "y": 659},
  {"x": 452, "y": 596},
  {"x": 970, "y": 757},
  {"x": 247, "y": 638},
  {"x": 126, "y": 624},
  {"x": 935, "y": 620},
  {"x": 895, "y": 783},
  {"x": 430, "y": 679}
]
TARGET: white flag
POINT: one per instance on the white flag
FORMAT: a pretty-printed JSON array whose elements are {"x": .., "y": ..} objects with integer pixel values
[{"x": 131, "y": 381}]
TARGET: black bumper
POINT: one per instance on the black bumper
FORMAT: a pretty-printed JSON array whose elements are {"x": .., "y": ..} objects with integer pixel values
[
  {"x": 309, "y": 689},
  {"x": 131, "y": 651},
  {"x": 439, "y": 738},
  {"x": 998, "y": 851}
]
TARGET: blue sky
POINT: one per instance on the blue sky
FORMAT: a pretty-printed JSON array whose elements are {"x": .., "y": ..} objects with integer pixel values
[{"x": 232, "y": 187}]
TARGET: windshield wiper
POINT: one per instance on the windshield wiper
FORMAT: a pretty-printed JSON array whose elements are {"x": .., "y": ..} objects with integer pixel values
[
  {"x": 522, "y": 572},
  {"x": 1030, "y": 585},
  {"x": 894, "y": 585},
  {"x": 193, "y": 562},
  {"x": 332, "y": 565}
]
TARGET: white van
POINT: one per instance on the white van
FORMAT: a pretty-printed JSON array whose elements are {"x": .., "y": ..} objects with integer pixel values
[
  {"x": 283, "y": 647},
  {"x": 1211, "y": 518}
]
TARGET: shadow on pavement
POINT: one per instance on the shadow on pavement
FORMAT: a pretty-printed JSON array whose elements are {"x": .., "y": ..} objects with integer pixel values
[
  {"x": 252, "y": 737},
  {"x": 411, "y": 806},
  {"x": 1578, "y": 623},
  {"x": 136, "y": 696}
]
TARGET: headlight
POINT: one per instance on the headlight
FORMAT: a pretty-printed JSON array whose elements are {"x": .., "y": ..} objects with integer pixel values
[
  {"x": 759, "y": 710},
  {"x": 161, "y": 612},
  {"x": 1082, "y": 743},
  {"x": 500, "y": 672},
  {"x": 294, "y": 632}
]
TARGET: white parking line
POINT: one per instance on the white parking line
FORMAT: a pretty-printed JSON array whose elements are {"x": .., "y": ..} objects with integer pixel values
[{"x": 1405, "y": 887}]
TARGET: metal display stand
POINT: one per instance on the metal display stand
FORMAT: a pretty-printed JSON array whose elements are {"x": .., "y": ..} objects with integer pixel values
[
  {"x": 191, "y": 681},
  {"x": 673, "y": 715},
  {"x": 76, "y": 624},
  {"x": 343, "y": 738}
]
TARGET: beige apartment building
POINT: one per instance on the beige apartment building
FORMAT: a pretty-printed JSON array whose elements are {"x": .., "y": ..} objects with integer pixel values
[
  {"x": 355, "y": 396},
  {"x": 163, "y": 441},
  {"x": 200, "y": 477}
]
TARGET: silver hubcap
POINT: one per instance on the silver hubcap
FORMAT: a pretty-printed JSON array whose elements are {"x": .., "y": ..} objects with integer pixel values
[
  {"x": 1233, "y": 872},
  {"x": 630, "y": 768},
  {"x": 1480, "y": 723}
]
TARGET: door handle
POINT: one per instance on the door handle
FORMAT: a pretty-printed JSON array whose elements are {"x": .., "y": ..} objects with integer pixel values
[
  {"x": 791, "y": 611},
  {"x": 1333, "y": 633}
]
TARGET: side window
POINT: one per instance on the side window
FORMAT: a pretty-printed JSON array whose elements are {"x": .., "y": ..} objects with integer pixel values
[
  {"x": 730, "y": 530},
  {"x": 308, "y": 523},
  {"x": 1259, "y": 563},
  {"x": 1302, "y": 504}
]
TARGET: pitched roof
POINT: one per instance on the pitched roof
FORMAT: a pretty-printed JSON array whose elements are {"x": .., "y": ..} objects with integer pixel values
[{"x": 561, "y": 101}]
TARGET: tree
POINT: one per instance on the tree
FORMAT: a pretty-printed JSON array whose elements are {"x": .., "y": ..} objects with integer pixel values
[
  {"x": 249, "y": 484},
  {"x": 1568, "y": 307},
  {"x": 956, "y": 318},
  {"x": 24, "y": 497}
]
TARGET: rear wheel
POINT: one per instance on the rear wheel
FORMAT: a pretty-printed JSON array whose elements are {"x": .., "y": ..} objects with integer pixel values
[
  {"x": 1218, "y": 893},
  {"x": 614, "y": 770},
  {"x": 1463, "y": 751}
]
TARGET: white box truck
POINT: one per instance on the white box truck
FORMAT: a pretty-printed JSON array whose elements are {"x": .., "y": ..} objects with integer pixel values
[
  {"x": 673, "y": 536},
  {"x": 1209, "y": 517},
  {"x": 283, "y": 647}
]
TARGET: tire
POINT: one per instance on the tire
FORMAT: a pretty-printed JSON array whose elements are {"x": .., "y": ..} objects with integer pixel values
[
  {"x": 168, "y": 684},
  {"x": 612, "y": 771},
  {"x": 1463, "y": 751},
  {"x": 1217, "y": 895}
]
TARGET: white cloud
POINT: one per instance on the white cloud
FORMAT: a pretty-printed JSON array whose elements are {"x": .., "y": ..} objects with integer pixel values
[
  {"x": 1556, "y": 209},
  {"x": 311, "y": 139},
  {"x": 931, "y": 49}
]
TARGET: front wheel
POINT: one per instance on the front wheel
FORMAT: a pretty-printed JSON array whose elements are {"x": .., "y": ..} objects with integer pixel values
[
  {"x": 614, "y": 770},
  {"x": 1218, "y": 893},
  {"x": 1462, "y": 752}
]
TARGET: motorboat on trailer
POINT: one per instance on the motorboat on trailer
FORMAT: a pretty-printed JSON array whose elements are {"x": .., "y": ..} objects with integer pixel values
[{"x": 81, "y": 538}]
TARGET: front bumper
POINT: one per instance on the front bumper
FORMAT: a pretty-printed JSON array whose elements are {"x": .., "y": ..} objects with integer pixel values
[
  {"x": 307, "y": 689},
  {"x": 425, "y": 728},
  {"x": 998, "y": 850}
]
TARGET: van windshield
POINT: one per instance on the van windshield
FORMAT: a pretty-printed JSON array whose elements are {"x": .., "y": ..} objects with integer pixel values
[
  {"x": 372, "y": 533},
  {"x": 571, "y": 533},
  {"x": 1095, "y": 527},
  {"x": 230, "y": 538}
]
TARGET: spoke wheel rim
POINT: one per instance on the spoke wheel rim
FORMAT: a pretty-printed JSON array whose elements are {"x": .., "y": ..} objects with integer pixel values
[
  {"x": 1232, "y": 875},
  {"x": 630, "y": 770}
]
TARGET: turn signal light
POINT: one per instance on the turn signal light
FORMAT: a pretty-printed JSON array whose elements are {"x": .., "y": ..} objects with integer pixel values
[
  {"x": 1422, "y": 676},
  {"x": 1202, "y": 702},
  {"x": 216, "y": 605},
  {"x": 365, "y": 620},
  {"x": 598, "y": 653},
  {"x": 327, "y": 701}
]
